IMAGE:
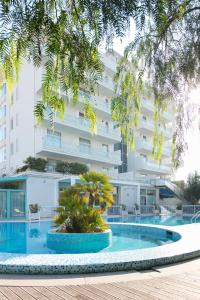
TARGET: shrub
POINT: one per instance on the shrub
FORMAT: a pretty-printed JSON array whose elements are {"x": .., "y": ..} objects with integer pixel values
[
  {"x": 77, "y": 168},
  {"x": 38, "y": 164},
  {"x": 32, "y": 163},
  {"x": 62, "y": 167},
  {"x": 71, "y": 168}
]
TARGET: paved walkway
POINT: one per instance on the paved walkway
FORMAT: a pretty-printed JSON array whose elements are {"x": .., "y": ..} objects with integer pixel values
[{"x": 175, "y": 282}]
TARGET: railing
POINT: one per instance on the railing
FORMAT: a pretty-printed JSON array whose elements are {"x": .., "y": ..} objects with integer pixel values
[
  {"x": 92, "y": 153},
  {"x": 125, "y": 210},
  {"x": 114, "y": 210},
  {"x": 195, "y": 217},
  {"x": 84, "y": 124},
  {"x": 101, "y": 104},
  {"x": 190, "y": 209}
]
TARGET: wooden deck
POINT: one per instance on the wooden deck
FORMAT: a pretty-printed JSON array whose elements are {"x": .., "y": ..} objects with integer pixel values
[{"x": 174, "y": 287}]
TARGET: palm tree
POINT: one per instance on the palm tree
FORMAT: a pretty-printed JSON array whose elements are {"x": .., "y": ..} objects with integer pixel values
[{"x": 97, "y": 189}]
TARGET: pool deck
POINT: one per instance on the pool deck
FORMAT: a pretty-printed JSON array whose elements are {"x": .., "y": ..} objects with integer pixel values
[{"x": 175, "y": 282}]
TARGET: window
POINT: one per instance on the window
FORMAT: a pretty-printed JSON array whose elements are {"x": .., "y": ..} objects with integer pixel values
[
  {"x": 2, "y": 111},
  {"x": 143, "y": 197},
  {"x": 144, "y": 118},
  {"x": 12, "y": 99},
  {"x": 11, "y": 124},
  {"x": 11, "y": 149},
  {"x": 144, "y": 137},
  {"x": 105, "y": 148},
  {"x": 82, "y": 119},
  {"x": 143, "y": 156},
  {"x": 53, "y": 138},
  {"x": 84, "y": 145},
  {"x": 17, "y": 119},
  {"x": 2, "y": 154},
  {"x": 17, "y": 146},
  {"x": 2, "y": 133},
  {"x": 3, "y": 89}
]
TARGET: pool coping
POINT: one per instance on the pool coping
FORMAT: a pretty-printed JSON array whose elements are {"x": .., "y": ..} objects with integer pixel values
[{"x": 185, "y": 248}]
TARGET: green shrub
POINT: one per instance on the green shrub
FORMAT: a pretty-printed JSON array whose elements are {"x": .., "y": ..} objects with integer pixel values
[
  {"x": 38, "y": 164},
  {"x": 71, "y": 168},
  {"x": 77, "y": 168}
]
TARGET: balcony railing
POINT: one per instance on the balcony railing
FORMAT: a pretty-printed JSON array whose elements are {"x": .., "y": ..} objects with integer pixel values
[
  {"x": 151, "y": 166},
  {"x": 98, "y": 103},
  {"x": 84, "y": 125},
  {"x": 142, "y": 144},
  {"x": 83, "y": 151},
  {"x": 148, "y": 125}
]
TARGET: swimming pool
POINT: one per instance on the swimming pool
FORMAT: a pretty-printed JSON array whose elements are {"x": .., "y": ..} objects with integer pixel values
[
  {"x": 155, "y": 220},
  {"x": 31, "y": 238}
]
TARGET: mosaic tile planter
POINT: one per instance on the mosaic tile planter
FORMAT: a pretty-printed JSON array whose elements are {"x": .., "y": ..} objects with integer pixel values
[{"x": 79, "y": 242}]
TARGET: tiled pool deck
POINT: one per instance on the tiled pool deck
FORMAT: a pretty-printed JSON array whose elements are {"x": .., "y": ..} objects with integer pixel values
[{"x": 187, "y": 247}]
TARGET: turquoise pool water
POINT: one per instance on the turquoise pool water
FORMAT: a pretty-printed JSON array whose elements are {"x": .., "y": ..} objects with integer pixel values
[
  {"x": 156, "y": 220},
  {"x": 30, "y": 238}
]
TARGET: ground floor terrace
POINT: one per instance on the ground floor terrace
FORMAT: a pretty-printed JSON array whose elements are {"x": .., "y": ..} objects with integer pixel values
[{"x": 175, "y": 282}]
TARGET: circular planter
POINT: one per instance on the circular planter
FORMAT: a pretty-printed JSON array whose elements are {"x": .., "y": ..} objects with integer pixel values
[{"x": 79, "y": 242}]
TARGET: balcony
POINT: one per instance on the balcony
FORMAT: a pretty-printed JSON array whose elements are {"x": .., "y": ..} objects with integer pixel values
[
  {"x": 99, "y": 104},
  {"x": 147, "y": 107},
  {"x": 82, "y": 153},
  {"x": 150, "y": 167},
  {"x": 80, "y": 124},
  {"x": 147, "y": 126},
  {"x": 147, "y": 147}
]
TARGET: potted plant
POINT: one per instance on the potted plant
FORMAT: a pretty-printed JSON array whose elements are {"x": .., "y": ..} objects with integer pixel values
[
  {"x": 81, "y": 227},
  {"x": 179, "y": 208}
]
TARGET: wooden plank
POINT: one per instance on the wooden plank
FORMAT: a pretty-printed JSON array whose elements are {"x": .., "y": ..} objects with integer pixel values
[
  {"x": 86, "y": 293},
  {"x": 188, "y": 286},
  {"x": 170, "y": 290},
  {"x": 101, "y": 293},
  {"x": 151, "y": 290},
  {"x": 113, "y": 291},
  {"x": 60, "y": 293},
  {"x": 21, "y": 293},
  {"x": 2, "y": 296},
  {"x": 34, "y": 293},
  {"x": 69, "y": 290},
  {"x": 44, "y": 291},
  {"x": 179, "y": 289},
  {"x": 143, "y": 294},
  {"x": 9, "y": 293},
  {"x": 184, "y": 281}
]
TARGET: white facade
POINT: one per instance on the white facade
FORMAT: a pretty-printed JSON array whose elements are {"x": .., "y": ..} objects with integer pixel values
[
  {"x": 140, "y": 161},
  {"x": 71, "y": 140}
]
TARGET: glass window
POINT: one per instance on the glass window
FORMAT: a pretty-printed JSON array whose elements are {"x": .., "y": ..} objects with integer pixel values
[
  {"x": 2, "y": 154},
  {"x": 17, "y": 146},
  {"x": 2, "y": 133},
  {"x": 17, "y": 119},
  {"x": 53, "y": 138},
  {"x": 11, "y": 149},
  {"x": 2, "y": 111},
  {"x": 3, "y": 89},
  {"x": 105, "y": 148},
  {"x": 11, "y": 124},
  {"x": 84, "y": 145}
]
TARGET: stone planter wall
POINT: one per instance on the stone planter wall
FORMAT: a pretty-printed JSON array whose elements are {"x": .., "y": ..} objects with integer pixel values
[{"x": 79, "y": 242}]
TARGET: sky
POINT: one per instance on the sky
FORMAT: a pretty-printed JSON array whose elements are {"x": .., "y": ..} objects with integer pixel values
[{"x": 191, "y": 159}]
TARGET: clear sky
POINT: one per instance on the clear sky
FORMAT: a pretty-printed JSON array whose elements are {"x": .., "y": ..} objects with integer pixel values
[{"x": 192, "y": 155}]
